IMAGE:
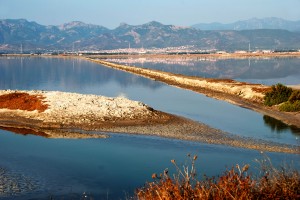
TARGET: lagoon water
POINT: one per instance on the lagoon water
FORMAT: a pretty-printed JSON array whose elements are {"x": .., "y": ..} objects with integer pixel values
[
  {"x": 113, "y": 167},
  {"x": 266, "y": 71}
]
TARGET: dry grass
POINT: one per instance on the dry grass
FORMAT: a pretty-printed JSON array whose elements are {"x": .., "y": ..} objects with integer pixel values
[
  {"x": 235, "y": 183},
  {"x": 262, "y": 90}
]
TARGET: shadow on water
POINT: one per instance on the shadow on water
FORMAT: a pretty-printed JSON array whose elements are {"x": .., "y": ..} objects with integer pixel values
[
  {"x": 24, "y": 131},
  {"x": 279, "y": 127}
]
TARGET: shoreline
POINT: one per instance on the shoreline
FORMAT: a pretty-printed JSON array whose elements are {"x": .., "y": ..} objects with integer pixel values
[
  {"x": 60, "y": 120},
  {"x": 164, "y": 56},
  {"x": 242, "y": 94},
  {"x": 207, "y": 56}
]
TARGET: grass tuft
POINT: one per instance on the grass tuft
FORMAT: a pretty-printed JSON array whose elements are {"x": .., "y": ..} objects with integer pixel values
[{"x": 234, "y": 183}]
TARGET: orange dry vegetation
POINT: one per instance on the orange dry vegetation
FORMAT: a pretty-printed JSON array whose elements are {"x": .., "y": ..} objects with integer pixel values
[
  {"x": 22, "y": 101},
  {"x": 234, "y": 183},
  {"x": 262, "y": 90},
  {"x": 211, "y": 80}
]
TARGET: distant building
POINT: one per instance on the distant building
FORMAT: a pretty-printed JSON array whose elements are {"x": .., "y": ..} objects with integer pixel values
[
  {"x": 241, "y": 52},
  {"x": 266, "y": 51}
]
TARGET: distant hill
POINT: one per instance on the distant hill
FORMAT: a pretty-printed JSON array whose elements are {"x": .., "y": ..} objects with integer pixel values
[
  {"x": 78, "y": 35},
  {"x": 251, "y": 24}
]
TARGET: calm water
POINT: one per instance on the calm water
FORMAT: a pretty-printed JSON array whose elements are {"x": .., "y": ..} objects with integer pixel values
[
  {"x": 114, "y": 167},
  {"x": 266, "y": 71}
]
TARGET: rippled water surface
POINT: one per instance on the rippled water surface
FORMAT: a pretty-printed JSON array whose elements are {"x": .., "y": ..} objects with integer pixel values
[{"x": 113, "y": 167}]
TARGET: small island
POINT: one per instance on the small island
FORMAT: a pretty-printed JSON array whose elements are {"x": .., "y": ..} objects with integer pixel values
[{"x": 56, "y": 114}]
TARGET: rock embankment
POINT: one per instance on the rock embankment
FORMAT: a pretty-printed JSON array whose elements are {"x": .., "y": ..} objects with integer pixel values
[{"x": 71, "y": 107}]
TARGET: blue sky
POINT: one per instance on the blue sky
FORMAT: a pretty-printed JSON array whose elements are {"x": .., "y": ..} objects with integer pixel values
[{"x": 110, "y": 13}]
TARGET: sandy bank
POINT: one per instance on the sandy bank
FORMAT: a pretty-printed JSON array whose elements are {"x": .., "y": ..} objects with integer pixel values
[
  {"x": 295, "y": 87},
  {"x": 239, "y": 93}
]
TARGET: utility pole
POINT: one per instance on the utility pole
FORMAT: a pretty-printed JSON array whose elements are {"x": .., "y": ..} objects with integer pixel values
[{"x": 129, "y": 48}]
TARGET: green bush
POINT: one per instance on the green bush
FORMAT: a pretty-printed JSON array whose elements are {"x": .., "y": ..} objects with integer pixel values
[
  {"x": 295, "y": 96},
  {"x": 290, "y": 106},
  {"x": 277, "y": 95}
]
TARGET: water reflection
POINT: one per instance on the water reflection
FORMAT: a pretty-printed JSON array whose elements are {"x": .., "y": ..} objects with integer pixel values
[
  {"x": 263, "y": 70},
  {"x": 37, "y": 73},
  {"x": 24, "y": 131},
  {"x": 278, "y": 126}
]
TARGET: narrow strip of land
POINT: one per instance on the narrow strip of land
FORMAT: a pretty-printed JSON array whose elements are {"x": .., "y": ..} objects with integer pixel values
[{"x": 243, "y": 94}]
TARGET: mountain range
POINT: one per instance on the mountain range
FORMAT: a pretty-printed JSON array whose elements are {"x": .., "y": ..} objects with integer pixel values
[
  {"x": 32, "y": 36},
  {"x": 251, "y": 24}
]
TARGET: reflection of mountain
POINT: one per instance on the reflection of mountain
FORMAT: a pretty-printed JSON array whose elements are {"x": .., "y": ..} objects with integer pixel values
[
  {"x": 209, "y": 68},
  {"x": 41, "y": 73},
  {"x": 272, "y": 68},
  {"x": 224, "y": 68},
  {"x": 251, "y": 24}
]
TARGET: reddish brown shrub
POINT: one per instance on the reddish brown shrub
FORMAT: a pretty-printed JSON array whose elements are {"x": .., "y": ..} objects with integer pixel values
[{"x": 22, "y": 101}]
